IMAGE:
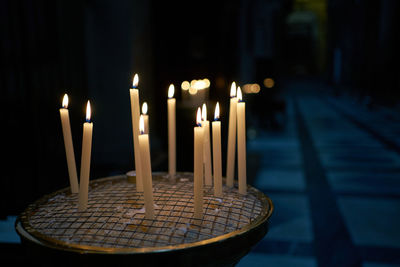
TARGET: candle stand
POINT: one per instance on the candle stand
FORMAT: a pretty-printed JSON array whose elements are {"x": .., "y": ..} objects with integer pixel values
[{"x": 113, "y": 230}]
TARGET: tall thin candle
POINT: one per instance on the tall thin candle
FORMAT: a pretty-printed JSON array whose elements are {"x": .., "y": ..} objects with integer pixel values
[
  {"x": 216, "y": 141},
  {"x": 206, "y": 149},
  {"x": 85, "y": 160},
  {"x": 198, "y": 167},
  {"x": 69, "y": 147},
  {"x": 230, "y": 161},
  {"x": 241, "y": 134},
  {"x": 171, "y": 131},
  {"x": 134, "y": 94},
  {"x": 146, "y": 171}
]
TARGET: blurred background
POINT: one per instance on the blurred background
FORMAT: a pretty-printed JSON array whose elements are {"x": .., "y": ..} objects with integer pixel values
[{"x": 320, "y": 78}]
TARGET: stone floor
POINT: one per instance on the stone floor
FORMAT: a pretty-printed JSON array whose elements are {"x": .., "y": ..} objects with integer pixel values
[{"x": 334, "y": 177}]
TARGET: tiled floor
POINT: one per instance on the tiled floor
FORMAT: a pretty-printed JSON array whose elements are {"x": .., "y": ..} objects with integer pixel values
[{"x": 334, "y": 177}]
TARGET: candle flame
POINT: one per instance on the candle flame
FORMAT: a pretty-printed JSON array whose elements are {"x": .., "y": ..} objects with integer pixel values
[
  {"x": 65, "y": 101},
  {"x": 198, "y": 117},
  {"x": 135, "y": 82},
  {"x": 216, "y": 113},
  {"x": 204, "y": 112},
  {"x": 88, "y": 111},
  {"x": 171, "y": 91},
  {"x": 144, "y": 108},
  {"x": 141, "y": 124},
  {"x": 239, "y": 94},
  {"x": 233, "y": 89}
]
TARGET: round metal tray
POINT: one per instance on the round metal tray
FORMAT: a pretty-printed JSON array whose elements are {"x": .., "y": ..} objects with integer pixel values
[{"x": 114, "y": 226}]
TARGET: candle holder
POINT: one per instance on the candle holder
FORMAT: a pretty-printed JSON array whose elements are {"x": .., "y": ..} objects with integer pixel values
[{"x": 114, "y": 228}]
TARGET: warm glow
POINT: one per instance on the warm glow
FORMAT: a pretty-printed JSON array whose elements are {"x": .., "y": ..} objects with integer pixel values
[
  {"x": 198, "y": 117},
  {"x": 195, "y": 85},
  {"x": 65, "y": 101},
  {"x": 206, "y": 82},
  {"x": 141, "y": 124},
  {"x": 135, "y": 81},
  {"x": 88, "y": 111},
  {"x": 239, "y": 94},
  {"x": 216, "y": 113},
  {"x": 171, "y": 91},
  {"x": 144, "y": 108},
  {"x": 199, "y": 84},
  {"x": 251, "y": 88},
  {"x": 185, "y": 85},
  {"x": 255, "y": 88},
  {"x": 204, "y": 112},
  {"x": 192, "y": 90},
  {"x": 233, "y": 89},
  {"x": 269, "y": 82}
]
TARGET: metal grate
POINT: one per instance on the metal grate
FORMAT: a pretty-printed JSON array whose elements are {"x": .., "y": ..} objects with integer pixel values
[{"x": 115, "y": 214}]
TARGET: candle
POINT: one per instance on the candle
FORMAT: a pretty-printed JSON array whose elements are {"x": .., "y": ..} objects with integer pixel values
[
  {"x": 85, "y": 160},
  {"x": 146, "y": 171},
  {"x": 134, "y": 94},
  {"x": 230, "y": 162},
  {"x": 206, "y": 149},
  {"x": 198, "y": 167},
  {"x": 241, "y": 139},
  {"x": 171, "y": 131},
  {"x": 216, "y": 140},
  {"x": 69, "y": 147},
  {"x": 145, "y": 117}
]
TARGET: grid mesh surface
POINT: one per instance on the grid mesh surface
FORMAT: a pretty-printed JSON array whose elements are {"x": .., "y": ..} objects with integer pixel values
[{"x": 115, "y": 215}]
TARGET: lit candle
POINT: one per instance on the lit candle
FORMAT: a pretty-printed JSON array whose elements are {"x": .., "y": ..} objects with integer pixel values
[
  {"x": 216, "y": 135},
  {"x": 69, "y": 147},
  {"x": 146, "y": 171},
  {"x": 85, "y": 160},
  {"x": 241, "y": 138},
  {"x": 198, "y": 167},
  {"x": 230, "y": 161},
  {"x": 171, "y": 131},
  {"x": 145, "y": 117},
  {"x": 134, "y": 93},
  {"x": 206, "y": 149}
]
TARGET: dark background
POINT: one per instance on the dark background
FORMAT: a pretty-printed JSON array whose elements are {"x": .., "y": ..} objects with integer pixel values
[{"x": 91, "y": 49}]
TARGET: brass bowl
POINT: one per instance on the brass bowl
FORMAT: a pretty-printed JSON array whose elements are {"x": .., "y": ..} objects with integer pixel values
[{"x": 113, "y": 228}]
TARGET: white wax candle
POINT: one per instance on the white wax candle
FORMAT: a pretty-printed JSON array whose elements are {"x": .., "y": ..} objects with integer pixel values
[
  {"x": 145, "y": 117},
  {"x": 207, "y": 146},
  {"x": 69, "y": 147},
  {"x": 134, "y": 94},
  {"x": 241, "y": 134},
  {"x": 216, "y": 135},
  {"x": 198, "y": 168},
  {"x": 171, "y": 131},
  {"x": 146, "y": 171},
  {"x": 230, "y": 161},
  {"x": 85, "y": 160}
]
